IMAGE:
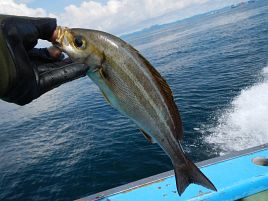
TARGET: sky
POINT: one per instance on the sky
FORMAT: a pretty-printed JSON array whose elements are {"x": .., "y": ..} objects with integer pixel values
[{"x": 113, "y": 16}]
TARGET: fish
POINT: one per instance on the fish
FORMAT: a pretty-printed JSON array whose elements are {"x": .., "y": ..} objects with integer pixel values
[{"x": 130, "y": 84}]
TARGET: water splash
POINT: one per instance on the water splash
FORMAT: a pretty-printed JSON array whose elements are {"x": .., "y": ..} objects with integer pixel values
[{"x": 245, "y": 123}]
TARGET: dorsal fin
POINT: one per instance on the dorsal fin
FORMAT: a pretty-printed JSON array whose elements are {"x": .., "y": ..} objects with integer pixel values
[
  {"x": 148, "y": 137},
  {"x": 163, "y": 85}
]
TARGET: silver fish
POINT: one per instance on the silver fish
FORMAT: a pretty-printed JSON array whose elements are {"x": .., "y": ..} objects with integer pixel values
[{"x": 132, "y": 86}]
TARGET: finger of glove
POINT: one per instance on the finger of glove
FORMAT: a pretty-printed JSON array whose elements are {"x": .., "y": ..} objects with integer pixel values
[
  {"x": 45, "y": 27},
  {"x": 29, "y": 29},
  {"x": 39, "y": 53},
  {"x": 52, "y": 79},
  {"x": 41, "y": 56},
  {"x": 52, "y": 66}
]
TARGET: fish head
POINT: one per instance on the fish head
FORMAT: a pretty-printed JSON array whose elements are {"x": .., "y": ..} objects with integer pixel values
[{"x": 75, "y": 43}]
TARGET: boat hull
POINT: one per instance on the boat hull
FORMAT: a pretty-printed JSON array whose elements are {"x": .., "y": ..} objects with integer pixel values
[{"x": 234, "y": 175}]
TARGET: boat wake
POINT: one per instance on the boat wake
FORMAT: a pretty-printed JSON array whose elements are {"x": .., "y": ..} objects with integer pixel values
[{"x": 245, "y": 123}]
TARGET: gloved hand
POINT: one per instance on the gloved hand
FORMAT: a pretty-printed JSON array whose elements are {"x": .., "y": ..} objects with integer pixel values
[{"x": 28, "y": 73}]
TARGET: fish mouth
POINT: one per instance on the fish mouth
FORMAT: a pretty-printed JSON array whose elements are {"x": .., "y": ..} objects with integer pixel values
[{"x": 63, "y": 37}]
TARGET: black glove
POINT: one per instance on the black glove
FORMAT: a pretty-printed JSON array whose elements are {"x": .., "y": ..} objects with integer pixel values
[{"x": 35, "y": 73}]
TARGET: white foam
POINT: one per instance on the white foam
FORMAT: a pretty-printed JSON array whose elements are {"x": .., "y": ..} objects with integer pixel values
[{"x": 245, "y": 124}]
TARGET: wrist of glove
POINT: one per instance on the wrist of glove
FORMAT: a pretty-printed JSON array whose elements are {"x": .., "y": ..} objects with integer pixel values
[{"x": 36, "y": 70}]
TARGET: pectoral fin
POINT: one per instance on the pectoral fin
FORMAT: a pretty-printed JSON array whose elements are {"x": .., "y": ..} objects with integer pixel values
[
  {"x": 148, "y": 137},
  {"x": 102, "y": 76},
  {"x": 105, "y": 97},
  {"x": 101, "y": 72}
]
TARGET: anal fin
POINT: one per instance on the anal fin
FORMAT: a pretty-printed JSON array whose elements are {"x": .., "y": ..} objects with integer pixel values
[{"x": 148, "y": 137}]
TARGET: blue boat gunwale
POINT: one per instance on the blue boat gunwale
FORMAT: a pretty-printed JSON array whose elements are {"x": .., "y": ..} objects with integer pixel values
[{"x": 159, "y": 177}]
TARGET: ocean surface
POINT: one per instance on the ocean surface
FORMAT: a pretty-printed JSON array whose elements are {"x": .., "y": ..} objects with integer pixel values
[{"x": 70, "y": 143}]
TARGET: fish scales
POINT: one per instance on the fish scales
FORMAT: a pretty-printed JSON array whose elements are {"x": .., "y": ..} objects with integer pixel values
[
  {"x": 128, "y": 70},
  {"x": 127, "y": 100}
]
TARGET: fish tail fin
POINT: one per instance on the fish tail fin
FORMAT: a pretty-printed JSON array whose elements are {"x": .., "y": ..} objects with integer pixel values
[{"x": 188, "y": 173}]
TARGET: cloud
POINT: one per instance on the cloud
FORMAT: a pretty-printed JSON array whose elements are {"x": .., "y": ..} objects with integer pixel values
[
  {"x": 117, "y": 16},
  {"x": 10, "y": 7}
]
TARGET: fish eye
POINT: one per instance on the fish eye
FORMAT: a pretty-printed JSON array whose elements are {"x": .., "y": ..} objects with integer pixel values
[{"x": 78, "y": 41}]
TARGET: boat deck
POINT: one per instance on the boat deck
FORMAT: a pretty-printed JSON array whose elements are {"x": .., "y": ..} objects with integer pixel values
[{"x": 234, "y": 175}]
